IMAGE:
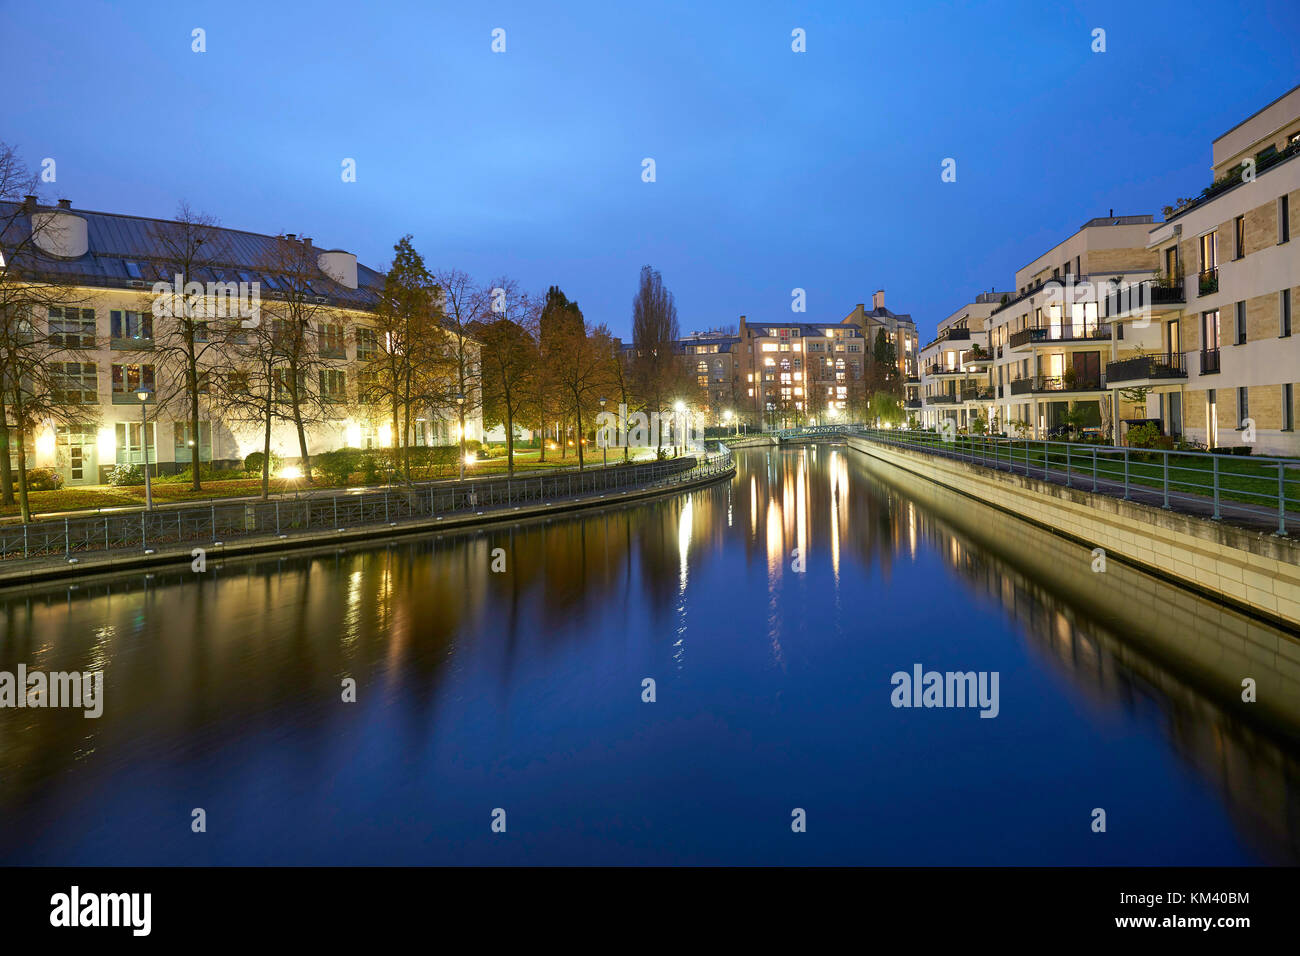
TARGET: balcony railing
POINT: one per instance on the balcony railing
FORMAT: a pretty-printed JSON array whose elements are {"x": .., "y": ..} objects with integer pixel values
[
  {"x": 1209, "y": 361},
  {"x": 912, "y": 403},
  {"x": 1055, "y": 383},
  {"x": 984, "y": 393},
  {"x": 1209, "y": 281},
  {"x": 1142, "y": 297},
  {"x": 1146, "y": 367},
  {"x": 940, "y": 400},
  {"x": 956, "y": 334},
  {"x": 1065, "y": 333}
]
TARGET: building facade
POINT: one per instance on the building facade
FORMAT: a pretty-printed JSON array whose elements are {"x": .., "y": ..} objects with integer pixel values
[{"x": 107, "y": 336}]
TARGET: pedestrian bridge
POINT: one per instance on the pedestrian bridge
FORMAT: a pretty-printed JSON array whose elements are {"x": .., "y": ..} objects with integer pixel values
[{"x": 819, "y": 431}]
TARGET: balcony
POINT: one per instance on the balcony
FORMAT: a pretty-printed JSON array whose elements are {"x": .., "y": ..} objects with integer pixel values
[
  {"x": 941, "y": 370},
  {"x": 1054, "y": 383},
  {"x": 1146, "y": 369},
  {"x": 1143, "y": 300},
  {"x": 912, "y": 403},
  {"x": 980, "y": 359},
  {"x": 1208, "y": 281},
  {"x": 955, "y": 334},
  {"x": 1209, "y": 361},
  {"x": 1025, "y": 339},
  {"x": 940, "y": 400},
  {"x": 984, "y": 393}
]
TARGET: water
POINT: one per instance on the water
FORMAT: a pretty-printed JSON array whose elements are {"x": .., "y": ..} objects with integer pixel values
[{"x": 523, "y": 691}]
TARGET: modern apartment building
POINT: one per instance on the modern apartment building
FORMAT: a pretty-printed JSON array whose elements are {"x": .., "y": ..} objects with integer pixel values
[
  {"x": 108, "y": 340},
  {"x": 1227, "y": 362},
  {"x": 954, "y": 380}
]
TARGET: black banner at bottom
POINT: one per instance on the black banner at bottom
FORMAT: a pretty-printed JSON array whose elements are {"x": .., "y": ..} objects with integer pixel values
[{"x": 334, "y": 905}]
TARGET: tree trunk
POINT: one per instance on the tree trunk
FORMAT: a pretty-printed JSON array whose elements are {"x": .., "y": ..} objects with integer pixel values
[
  {"x": 194, "y": 425},
  {"x": 580, "y": 437},
  {"x": 302, "y": 439},
  {"x": 462, "y": 435},
  {"x": 266, "y": 447},
  {"x": 22, "y": 475},
  {"x": 6, "y": 469},
  {"x": 510, "y": 441}
]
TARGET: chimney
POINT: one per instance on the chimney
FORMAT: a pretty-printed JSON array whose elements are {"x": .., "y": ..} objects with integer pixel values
[
  {"x": 878, "y": 299},
  {"x": 291, "y": 236},
  {"x": 306, "y": 241},
  {"x": 65, "y": 203},
  {"x": 1112, "y": 213},
  {"x": 29, "y": 204}
]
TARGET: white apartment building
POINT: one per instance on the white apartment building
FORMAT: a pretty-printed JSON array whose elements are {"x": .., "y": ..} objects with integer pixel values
[{"x": 109, "y": 263}]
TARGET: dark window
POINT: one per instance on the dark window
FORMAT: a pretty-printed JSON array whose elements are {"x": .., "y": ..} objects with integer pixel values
[
  {"x": 1243, "y": 407},
  {"x": 1288, "y": 407},
  {"x": 1283, "y": 219},
  {"x": 1284, "y": 307},
  {"x": 1241, "y": 323},
  {"x": 1239, "y": 228}
]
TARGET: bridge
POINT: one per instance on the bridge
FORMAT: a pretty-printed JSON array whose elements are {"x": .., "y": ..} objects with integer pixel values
[{"x": 820, "y": 431}]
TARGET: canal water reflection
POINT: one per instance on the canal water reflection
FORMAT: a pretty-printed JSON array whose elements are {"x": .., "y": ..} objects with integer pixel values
[{"x": 522, "y": 690}]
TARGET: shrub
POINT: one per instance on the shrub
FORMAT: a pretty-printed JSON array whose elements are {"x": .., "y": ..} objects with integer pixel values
[
  {"x": 253, "y": 463},
  {"x": 1145, "y": 435},
  {"x": 43, "y": 479},
  {"x": 339, "y": 464},
  {"x": 125, "y": 475}
]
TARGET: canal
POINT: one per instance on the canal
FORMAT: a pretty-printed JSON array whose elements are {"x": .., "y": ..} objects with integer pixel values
[{"x": 771, "y": 612}]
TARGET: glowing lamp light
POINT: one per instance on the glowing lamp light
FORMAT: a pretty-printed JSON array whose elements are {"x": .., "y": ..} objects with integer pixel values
[
  {"x": 291, "y": 473},
  {"x": 45, "y": 444},
  {"x": 470, "y": 458}
]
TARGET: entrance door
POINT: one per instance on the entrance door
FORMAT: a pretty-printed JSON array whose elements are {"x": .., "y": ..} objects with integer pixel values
[
  {"x": 1087, "y": 369},
  {"x": 77, "y": 456}
]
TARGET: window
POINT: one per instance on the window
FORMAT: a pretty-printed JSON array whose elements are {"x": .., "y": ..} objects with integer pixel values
[
  {"x": 284, "y": 385},
  {"x": 75, "y": 383},
  {"x": 1241, "y": 323},
  {"x": 1239, "y": 235},
  {"x": 130, "y": 329},
  {"x": 1209, "y": 246},
  {"x": 333, "y": 385},
  {"x": 330, "y": 339},
  {"x": 129, "y": 449},
  {"x": 72, "y": 328},
  {"x": 1284, "y": 311},
  {"x": 1283, "y": 219},
  {"x": 184, "y": 448},
  {"x": 133, "y": 270},
  {"x": 128, "y": 379},
  {"x": 1243, "y": 407},
  {"x": 1288, "y": 407}
]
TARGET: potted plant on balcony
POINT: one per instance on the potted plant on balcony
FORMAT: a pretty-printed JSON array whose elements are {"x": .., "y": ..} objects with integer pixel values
[{"x": 1070, "y": 377}]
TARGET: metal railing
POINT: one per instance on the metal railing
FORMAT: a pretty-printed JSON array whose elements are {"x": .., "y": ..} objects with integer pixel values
[
  {"x": 218, "y": 522},
  {"x": 1250, "y": 490},
  {"x": 1169, "y": 365}
]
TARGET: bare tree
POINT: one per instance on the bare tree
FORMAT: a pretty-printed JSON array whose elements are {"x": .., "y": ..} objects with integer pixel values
[
  {"x": 509, "y": 362},
  {"x": 463, "y": 305},
  {"x": 43, "y": 330},
  {"x": 655, "y": 369},
  {"x": 190, "y": 330}
]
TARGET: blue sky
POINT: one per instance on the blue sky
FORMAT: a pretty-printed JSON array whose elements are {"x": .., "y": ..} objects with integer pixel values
[{"x": 775, "y": 169}]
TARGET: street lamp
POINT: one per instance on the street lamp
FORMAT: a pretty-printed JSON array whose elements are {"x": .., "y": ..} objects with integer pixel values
[
  {"x": 460, "y": 411},
  {"x": 604, "y": 442},
  {"x": 144, "y": 394},
  {"x": 726, "y": 419}
]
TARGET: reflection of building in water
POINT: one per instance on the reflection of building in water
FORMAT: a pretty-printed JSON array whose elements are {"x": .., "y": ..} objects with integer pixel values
[{"x": 1140, "y": 643}]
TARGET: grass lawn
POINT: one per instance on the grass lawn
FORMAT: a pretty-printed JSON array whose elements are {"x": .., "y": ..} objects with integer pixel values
[{"x": 1240, "y": 479}]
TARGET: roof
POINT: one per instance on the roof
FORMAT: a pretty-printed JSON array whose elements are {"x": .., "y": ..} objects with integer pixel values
[{"x": 115, "y": 239}]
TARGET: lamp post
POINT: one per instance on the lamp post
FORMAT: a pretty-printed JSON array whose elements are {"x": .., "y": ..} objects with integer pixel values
[
  {"x": 460, "y": 411},
  {"x": 144, "y": 394},
  {"x": 726, "y": 418},
  {"x": 604, "y": 441}
]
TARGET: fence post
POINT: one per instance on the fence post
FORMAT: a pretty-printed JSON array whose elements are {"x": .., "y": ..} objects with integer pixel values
[
  {"x": 1281, "y": 497},
  {"x": 214, "y": 521},
  {"x": 1094, "y": 469},
  {"x": 1166, "y": 504},
  {"x": 1126, "y": 473},
  {"x": 277, "y": 517},
  {"x": 67, "y": 540},
  {"x": 144, "y": 539},
  {"x": 336, "y": 511},
  {"x": 385, "y": 505},
  {"x": 1216, "y": 487},
  {"x": 24, "y": 539},
  {"x": 1067, "y": 466}
]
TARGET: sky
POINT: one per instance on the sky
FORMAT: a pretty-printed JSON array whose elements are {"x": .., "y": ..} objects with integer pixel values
[{"x": 775, "y": 170}]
